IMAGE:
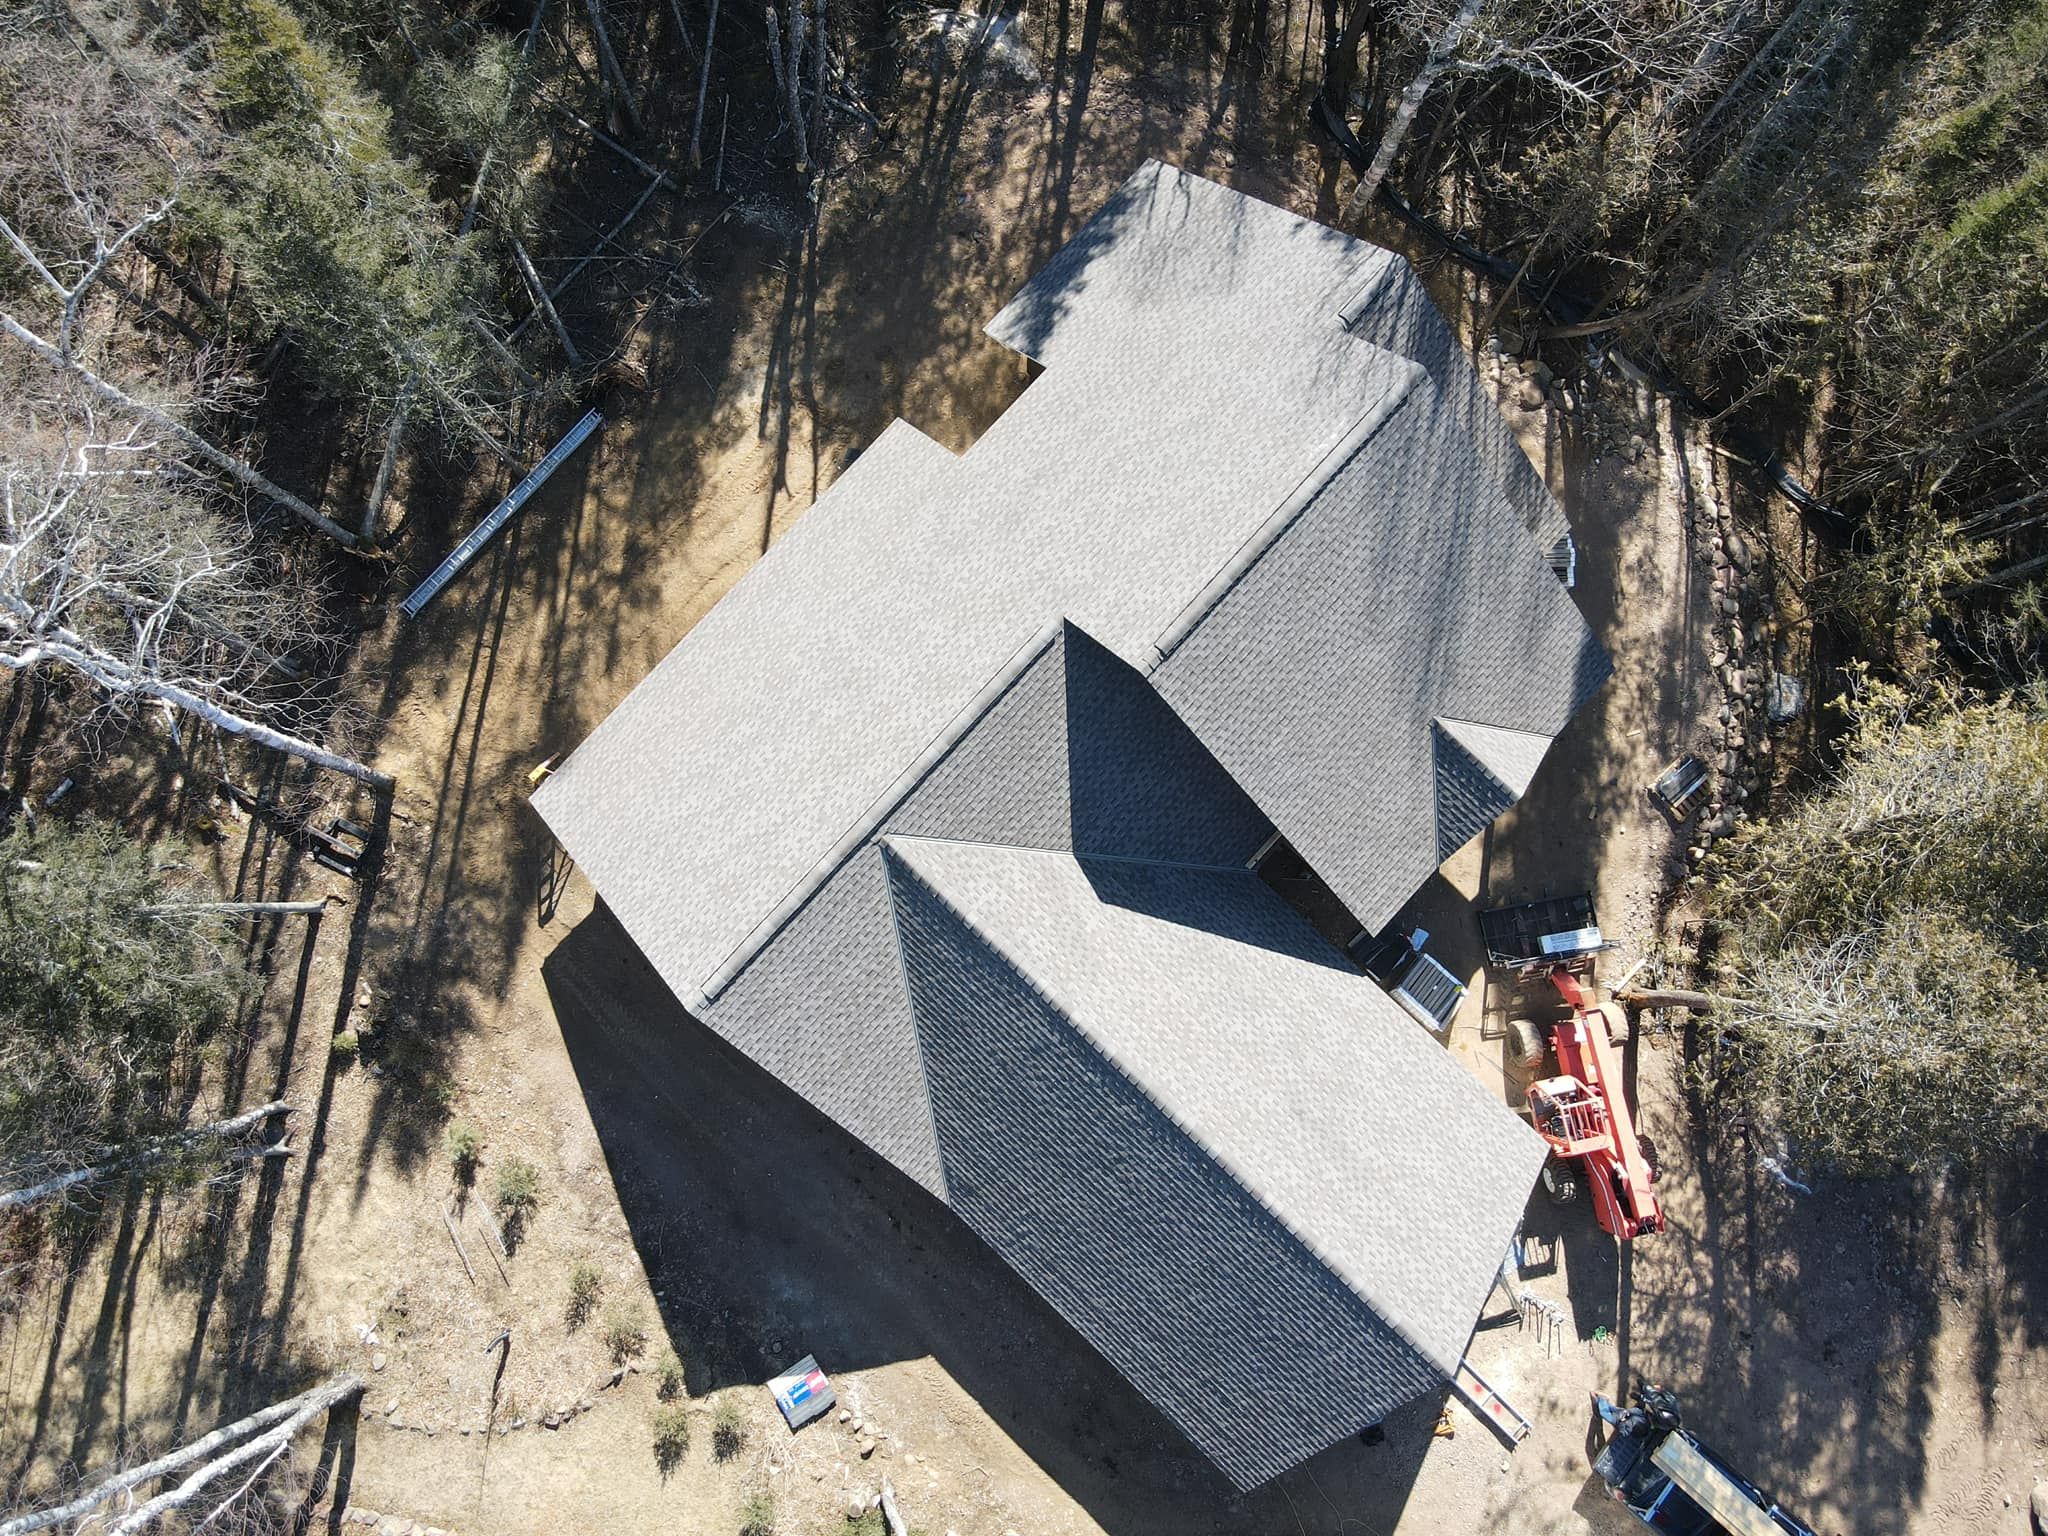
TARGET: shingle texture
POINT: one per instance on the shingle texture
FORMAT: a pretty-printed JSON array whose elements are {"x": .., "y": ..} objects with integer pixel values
[
  {"x": 1086, "y": 1176},
  {"x": 943, "y": 813},
  {"x": 1401, "y": 594},
  {"x": 1302, "y": 1079},
  {"x": 1078, "y": 753}
]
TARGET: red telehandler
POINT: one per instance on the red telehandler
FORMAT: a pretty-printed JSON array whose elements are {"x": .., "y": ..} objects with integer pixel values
[
  {"x": 1583, "y": 1113},
  {"x": 1583, "y": 1110}
]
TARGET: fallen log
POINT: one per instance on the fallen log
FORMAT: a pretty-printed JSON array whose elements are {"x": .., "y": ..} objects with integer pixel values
[
  {"x": 241, "y": 908},
  {"x": 456, "y": 1238},
  {"x": 1667, "y": 997},
  {"x": 891, "y": 1515},
  {"x": 610, "y": 63},
  {"x": 220, "y": 459},
  {"x": 169, "y": 1146},
  {"x": 544, "y": 303},
  {"x": 613, "y": 145},
  {"x": 273, "y": 1427}
]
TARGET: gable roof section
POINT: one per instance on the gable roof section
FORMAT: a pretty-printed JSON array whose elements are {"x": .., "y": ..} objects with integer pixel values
[
  {"x": 1076, "y": 753},
  {"x": 1404, "y": 319},
  {"x": 1315, "y": 1134},
  {"x": 1402, "y": 593},
  {"x": 1295, "y": 1071},
  {"x": 1106, "y": 494}
]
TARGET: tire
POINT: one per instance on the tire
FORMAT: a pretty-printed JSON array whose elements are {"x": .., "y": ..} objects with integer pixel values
[
  {"x": 1528, "y": 1041},
  {"x": 1560, "y": 1182}
]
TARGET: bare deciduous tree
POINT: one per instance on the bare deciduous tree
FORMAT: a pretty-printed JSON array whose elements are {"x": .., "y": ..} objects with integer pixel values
[{"x": 114, "y": 566}]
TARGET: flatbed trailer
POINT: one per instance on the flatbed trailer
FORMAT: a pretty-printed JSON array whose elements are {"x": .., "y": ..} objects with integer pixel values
[{"x": 1537, "y": 935}]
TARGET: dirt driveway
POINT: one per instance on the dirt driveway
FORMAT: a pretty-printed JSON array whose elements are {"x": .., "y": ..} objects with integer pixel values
[{"x": 1874, "y": 1355}]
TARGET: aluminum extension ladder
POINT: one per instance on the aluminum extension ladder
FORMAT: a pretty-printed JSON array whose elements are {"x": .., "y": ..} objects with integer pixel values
[{"x": 1508, "y": 1421}]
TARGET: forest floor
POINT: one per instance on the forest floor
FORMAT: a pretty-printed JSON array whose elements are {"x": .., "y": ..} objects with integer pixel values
[{"x": 1872, "y": 1354}]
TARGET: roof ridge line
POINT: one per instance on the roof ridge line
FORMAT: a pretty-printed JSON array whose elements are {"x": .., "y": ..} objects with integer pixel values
[
  {"x": 1144, "y": 1090},
  {"x": 924, "y": 1072},
  {"x": 1075, "y": 854},
  {"x": 1267, "y": 534},
  {"x": 863, "y": 826}
]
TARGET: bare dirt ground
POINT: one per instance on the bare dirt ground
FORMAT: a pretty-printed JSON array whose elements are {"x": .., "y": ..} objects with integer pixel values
[{"x": 1872, "y": 1354}]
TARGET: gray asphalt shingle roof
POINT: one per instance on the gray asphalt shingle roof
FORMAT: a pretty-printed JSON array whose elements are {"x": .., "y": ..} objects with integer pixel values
[
  {"x": 941, "y": 814},
  {"x": 1301, "y": 1078},
  {"x": 1177, "y": 1113}
]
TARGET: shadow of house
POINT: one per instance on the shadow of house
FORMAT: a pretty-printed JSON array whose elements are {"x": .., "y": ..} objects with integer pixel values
[
  {"x": 769, "y": 1233},
  {"x": 989, "y": 905}
]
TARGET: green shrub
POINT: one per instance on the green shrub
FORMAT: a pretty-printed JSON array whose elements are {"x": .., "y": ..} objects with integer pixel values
[
  {"x": 345, "y": 1046},
  {"x": 671, "y": 1437},
  {"x": 463, "y": 1147},
  {"x": 668, "y": 1377},
  {"x": 728, "y": 1430},
  {"x": 625, "y": 1334},
  {"x": 518, "y": 1188},
  {"x": 757, "y": 1515},
  {"x": 586, "y": 1284}
]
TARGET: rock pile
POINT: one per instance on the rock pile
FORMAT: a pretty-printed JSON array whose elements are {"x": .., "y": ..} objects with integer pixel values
[{"x": 1741, "y": 653}]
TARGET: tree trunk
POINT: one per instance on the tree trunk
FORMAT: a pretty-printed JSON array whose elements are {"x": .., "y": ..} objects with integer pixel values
[
  {"x": 608, "y": 237},
  {"x": 240, "y": 908},
  {"x": 789, "y": 80},
  {"x": 675, "y": 9},
  {"x": 118, "y": 677},
  {"x": 220, "y": 1130},
  {"x": 815, "y": 135},
  {"x": 544, "y": 303},
  {"x": 612, "y": 144},
  {"x": 245, "y": 473},
  {"x": 279, "y": 1419},
  {"x": 1664, "y": 997},
  {"x": 703, "y": 85},
  {"x": 388, "y": 464},
  {"x": 305, "y": 1407},
  {"x": 1441, "y": 52},
  {"x": 610, "y": 61},
  {"x": 2005, "y": 577}
]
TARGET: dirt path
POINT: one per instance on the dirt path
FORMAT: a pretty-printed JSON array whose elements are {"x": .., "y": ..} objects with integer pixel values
[{"x": 1881, "y": 1369}]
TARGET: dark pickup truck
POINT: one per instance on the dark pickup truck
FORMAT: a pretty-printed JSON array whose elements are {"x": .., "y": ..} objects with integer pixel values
[{"x": 1672, "y": 1482}]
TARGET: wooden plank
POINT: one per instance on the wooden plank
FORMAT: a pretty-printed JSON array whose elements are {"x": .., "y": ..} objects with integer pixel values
[
  {"x": 1710, "y": 1488},
  {"x": 482, "y": 533}
]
